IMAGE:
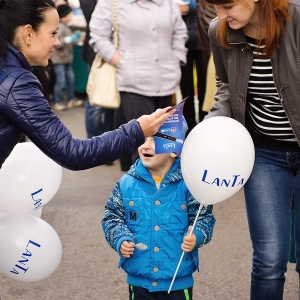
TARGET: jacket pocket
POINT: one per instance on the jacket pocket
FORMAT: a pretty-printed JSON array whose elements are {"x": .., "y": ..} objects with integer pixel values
[{"x": 179, "y": 215}]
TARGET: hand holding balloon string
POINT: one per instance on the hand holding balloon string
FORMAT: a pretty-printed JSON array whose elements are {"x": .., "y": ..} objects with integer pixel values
[
  {"x": 189, "y": 241},
  {"x": 180, "y": 260}
]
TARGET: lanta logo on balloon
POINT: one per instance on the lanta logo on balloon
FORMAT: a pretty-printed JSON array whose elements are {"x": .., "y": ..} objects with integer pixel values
[
  {"x": 233, "y": 181},
  {"x": 31, "y": 249},
  {"x": 217, "y": 159},
  {"x": 28, "y": 179},
  {"x": 37, "y": 202},
  {"x": 21, "y": 265}
]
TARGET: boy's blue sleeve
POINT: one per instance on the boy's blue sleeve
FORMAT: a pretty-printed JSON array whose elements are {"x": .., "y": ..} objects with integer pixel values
[
  {"x": 205, "y": 222},
  {"x": 114, "y": 222}
]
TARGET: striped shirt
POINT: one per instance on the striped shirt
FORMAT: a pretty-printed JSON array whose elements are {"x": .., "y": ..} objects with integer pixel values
[{"x": 265, "y": 114}]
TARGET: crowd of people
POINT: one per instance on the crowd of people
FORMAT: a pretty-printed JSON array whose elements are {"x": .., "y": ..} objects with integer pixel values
[
  {"x": 58, "y": 78},
  {"x": 152, "y": 77},
  {"x": 255, "y": 45}
]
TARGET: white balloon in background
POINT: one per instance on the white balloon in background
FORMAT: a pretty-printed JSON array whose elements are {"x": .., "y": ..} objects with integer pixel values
[
  {"x": 31, "y": 250},
  {"x": 217, "y": 159},
  {"x": 28, "y": 179},
  {"x": 36, "y": 213}
]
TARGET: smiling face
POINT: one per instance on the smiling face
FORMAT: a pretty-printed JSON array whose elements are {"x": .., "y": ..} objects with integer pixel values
[
  {"x": 239, "y": 13},
  {"x": 157, "y": 164},
  {"x": 38, "y": 46}
]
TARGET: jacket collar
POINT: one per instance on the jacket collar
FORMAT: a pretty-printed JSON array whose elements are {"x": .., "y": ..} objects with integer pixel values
[
  {"x": 235, "y": 36},
  {"x": 139, "y": 171},
  {"x": 15, "y": 56}
]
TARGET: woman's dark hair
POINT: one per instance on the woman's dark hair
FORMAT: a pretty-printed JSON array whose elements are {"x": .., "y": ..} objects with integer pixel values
[
  {"x": 272, "y": 15},
  {"x": 15, "y": 13}
]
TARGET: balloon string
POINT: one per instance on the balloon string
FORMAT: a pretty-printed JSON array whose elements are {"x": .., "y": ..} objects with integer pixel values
[{"x": 182, "y": 254}]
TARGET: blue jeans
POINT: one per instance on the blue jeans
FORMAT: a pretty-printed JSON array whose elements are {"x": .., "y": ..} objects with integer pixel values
[
  {"x": 64, "y": 78},
  {"x": 98, "y": 120},
  {"x": 270, "y": 192}
]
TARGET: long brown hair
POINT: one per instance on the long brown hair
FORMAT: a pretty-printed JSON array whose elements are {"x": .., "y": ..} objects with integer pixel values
[{"x": 272, "y": 13}]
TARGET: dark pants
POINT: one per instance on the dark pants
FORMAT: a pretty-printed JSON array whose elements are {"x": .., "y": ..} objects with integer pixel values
[
  {"x": 98, "y": 120},
  {"x": 200, "y": 59},
  {"x": 132, "y": 107},
  {"x": 137, "y": 293},
  {"x": 45, "y": 75}
]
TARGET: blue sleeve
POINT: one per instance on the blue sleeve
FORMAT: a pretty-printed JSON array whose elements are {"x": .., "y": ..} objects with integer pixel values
[
  {"x": 31, "y": 113},
  {"x": 114, "y": 223},
  {"x": 205, "y": 222}
]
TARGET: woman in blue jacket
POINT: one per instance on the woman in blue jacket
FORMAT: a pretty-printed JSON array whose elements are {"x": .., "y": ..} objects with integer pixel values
[{"x": 28, "y": 37}]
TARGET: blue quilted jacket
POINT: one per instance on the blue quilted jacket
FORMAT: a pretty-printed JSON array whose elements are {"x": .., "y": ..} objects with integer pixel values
[
  {"x": 24, "y": 110},
  {"x": 137, "y": 211}
]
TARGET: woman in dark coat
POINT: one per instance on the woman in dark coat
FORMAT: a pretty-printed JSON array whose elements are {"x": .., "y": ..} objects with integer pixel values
[{"x": 29, "y": 41}]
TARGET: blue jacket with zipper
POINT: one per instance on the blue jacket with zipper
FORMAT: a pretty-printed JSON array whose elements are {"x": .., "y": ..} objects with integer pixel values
[{"x": 159, "y": 218}]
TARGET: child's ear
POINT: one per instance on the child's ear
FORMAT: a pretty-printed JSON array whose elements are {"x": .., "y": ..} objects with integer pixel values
[{"x": 173, "y": 154}]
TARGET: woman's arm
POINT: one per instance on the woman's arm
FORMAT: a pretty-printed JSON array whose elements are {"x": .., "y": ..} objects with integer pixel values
[{"x": 28, "y": 110}]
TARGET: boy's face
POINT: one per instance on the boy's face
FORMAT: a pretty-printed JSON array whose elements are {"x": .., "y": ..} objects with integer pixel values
[{"x": 154, "y": 161}]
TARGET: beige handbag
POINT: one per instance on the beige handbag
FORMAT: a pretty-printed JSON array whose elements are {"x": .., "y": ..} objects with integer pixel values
[{"x": 102, "y": 88}]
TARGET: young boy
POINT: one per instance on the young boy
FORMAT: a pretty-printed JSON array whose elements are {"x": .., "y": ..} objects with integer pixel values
[{"x": 147, "y": 219}]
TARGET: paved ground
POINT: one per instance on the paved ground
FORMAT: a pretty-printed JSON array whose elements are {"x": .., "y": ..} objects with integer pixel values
[{"x": 88, "y": 269}]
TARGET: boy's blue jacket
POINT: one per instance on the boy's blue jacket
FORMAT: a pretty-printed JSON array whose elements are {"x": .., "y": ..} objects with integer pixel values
[{"x": 137, "y": 211}]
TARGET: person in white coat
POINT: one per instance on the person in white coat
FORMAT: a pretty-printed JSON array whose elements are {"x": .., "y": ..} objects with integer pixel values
[{"x": 151, "y": 49}]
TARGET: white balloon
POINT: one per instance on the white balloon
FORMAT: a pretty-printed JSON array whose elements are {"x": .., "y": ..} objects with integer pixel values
[
  {"x": 31, "y": 250},
  {"x": 217, "y": 159},
  {"x": 28, "y": 179},
  {"x": 36, "y": 213}
]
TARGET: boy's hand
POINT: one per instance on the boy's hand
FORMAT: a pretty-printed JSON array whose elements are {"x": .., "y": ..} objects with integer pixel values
[
  {"x": 189, "y": 241},
  {"x": 127, "y": 249}
]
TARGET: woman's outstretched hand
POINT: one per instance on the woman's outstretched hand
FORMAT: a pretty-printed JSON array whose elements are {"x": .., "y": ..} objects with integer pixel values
[{"x": 151, "y": 123}]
